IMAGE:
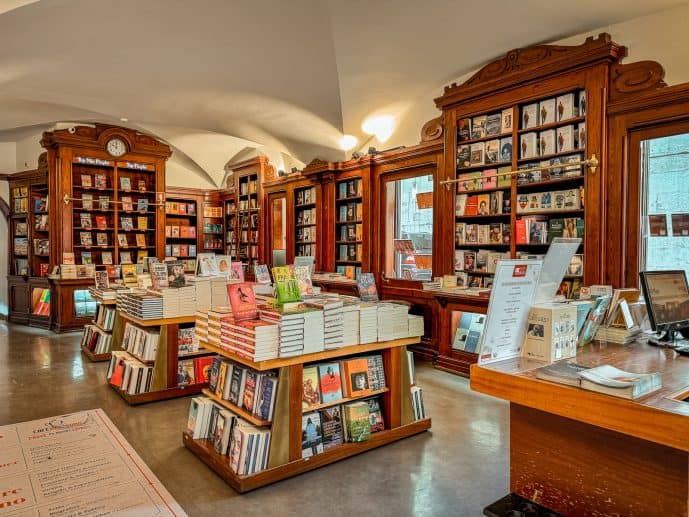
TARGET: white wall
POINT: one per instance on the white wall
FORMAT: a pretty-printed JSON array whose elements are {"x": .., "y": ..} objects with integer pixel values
[
  {"x": 7, "y": 166},
  {"x": 28, "y": 151},
  {"x": 662, "y": 37}
]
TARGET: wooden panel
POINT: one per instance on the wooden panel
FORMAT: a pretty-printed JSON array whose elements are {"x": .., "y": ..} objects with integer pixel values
[
  {"x": 279, "y": 453},
  {"x": 296, "y": 379},
  {"x": 392, "y": 403},
  {"x": 579, "y": 469}
]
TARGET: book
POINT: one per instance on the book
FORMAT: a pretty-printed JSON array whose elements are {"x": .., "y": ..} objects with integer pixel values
[
  {"x": 594, "y": 319},
  {"x": 242, "y": 300},
  {"x": 103, "y": 202},
  {"x": 141, "y": 185},
  {"x": 330, "y": 382},
  {"x": 175, "y": 273},
  {"x": 127, "y": 204},
  {"x": 126, "y": 257},
  {"x": 85, "y": 238},
  {"x": 140, "y": 240},
  {"x": 562, "y": 372},
  {"x": 286, "y": 285},
  {"x": 331, "y": 426},
  {"x": 68, "y": 258},
  {"x": 142, "y": 205},
  {"x": 142, "y": 223},
  {"x": 86, "y": 258},
  {"x": 506, "y": 120},
  {"x": 478, "y": 127},
  {"x": 237, "y": 271},
  {"x": 366, "y": 285},
  {"x": 122, "y": 240},
  {"x": 311, "y": 438},
  {"x": 303, "y": 276},
  {"x": 261, "y": 274},
  {"x": 106, "y": 257},
  {"x": 310, "y": 393},
  {"x": 85, "y": 221},
  {"x": 493, "y": 124},
  {"x": 101, "y": 222},
  {"x": 375, "y": 415},
  {"x": 546, "y": 112},
  {"x": 86, "y": 181},
  {"x": 619, "y": 383},
  {"x": 186, "y": 373},
  {"x": 125, "y": 183},
  {"x": 356, "y": 375},
  {"x": 87, "y": 201},
  {"x": 463, "y": 129},
  {"x": 102, "y": 239},
  {"x": 126, "y": 223},
  {"x": 357, "y": 424},
  {"x": 101, "y": 181}
]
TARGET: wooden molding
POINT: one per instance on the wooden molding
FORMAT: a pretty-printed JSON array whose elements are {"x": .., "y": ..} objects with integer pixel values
[
  {"x": 4, "y": 208},
  {"x": 88, "y": 137},
  {"x": 432, "y": 130},
  {"x": 526, "y": 64},
  {"x": 635, "y": 78}
]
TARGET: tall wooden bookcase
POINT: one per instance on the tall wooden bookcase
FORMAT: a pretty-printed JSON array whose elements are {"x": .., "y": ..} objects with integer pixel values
[
  {"x": 29, "y": 246},
  {"x": 114, "y": 166}
]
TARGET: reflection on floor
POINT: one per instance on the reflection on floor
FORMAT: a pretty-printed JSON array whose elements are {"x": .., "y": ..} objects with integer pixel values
[{"x": 456, "y": 469}]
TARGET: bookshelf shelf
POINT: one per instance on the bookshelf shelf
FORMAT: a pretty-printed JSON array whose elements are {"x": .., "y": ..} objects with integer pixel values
[
  {"x": 574, "y": 211},
  {"x": 538, "y": 185},
  {"x": 551, "y": 156},
  {"x": 249, "y": 417},
  {"x": 483, "y": 191},
  {"x": 157, "y": 322},
  {"x": 95, "y": 358},
  {"x": 344, "y": 400},
  {"x": 163, "y": 394},
  {"x": 553, "y": 125},
  {"x": 481, "y": 217},
  {"x": 481, "y": 166}
]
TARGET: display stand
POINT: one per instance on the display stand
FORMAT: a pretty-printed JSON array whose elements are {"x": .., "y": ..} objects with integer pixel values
[
  {"x": 285, "y": 456},
  {"x": 93, "y": 357},
  {"x": 164, "y": 385}
]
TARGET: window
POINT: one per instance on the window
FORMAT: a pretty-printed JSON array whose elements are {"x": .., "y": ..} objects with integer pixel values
[
  {"x": 409, "y": 228},
  {"x": 665, "y": 203}
]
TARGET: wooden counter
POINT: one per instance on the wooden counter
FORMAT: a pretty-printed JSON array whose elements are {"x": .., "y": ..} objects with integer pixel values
[{"x": 583, "y": 453}]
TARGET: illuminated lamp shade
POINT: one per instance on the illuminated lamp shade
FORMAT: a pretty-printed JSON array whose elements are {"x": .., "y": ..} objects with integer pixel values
[
  {"x": 348, "y": 142},
  {"x": 380, "y": 125}
]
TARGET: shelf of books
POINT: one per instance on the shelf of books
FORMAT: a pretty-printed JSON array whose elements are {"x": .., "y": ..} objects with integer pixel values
[
  {"x": 30, "y": 230},
  {"x": 306, "y": 223},
  {"x": 349, "y": 227},
  {"x": 155, "y": 359},
  {"x": 294, "y": 390},
  {"x": 502, "y": 214},
  {"x": 96, "y": 341},
  {"x": 114, "y": 212},
  {"x": 231, "y": 224},
  {"x": 181, "y": 225},
  {"x": 212, "y": 227},
  {"x": 249, "y": 214}
]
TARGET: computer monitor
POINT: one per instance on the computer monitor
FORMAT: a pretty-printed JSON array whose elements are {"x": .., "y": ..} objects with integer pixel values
[{"x": 667, "y": 301}]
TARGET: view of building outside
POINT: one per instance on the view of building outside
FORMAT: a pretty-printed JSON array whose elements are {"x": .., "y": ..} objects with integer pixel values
[
  {"x": 415, "y": 224},
  {"x": 665, "y": 166}
]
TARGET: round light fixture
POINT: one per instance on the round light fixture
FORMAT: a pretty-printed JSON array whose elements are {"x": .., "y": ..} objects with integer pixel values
[
  {"x": 380, "y": 125},
  {"x": 348, "y": 142},
  {"x": 124, "y": 119}
]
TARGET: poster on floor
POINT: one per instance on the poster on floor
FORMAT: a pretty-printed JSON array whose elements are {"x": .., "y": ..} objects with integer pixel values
[{"x": 76, "y": 464}]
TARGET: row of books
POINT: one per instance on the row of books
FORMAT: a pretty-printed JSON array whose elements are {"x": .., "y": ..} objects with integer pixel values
[
  {"x": 248, "y": 222},
  {"x": 481, "y": 261},
  {"x": 180, "y": 231},
  {"x": 40, "y": 204},
  {"x": 541, "y": 230},
  {"x": 483, "y": 126},
  {"x": 194, "y": 371},
  {"x": 105, "y": 316},
  {"x": 306, "y": 216},
  {"x": 248, "y": 204},
  {"x": 247, "y": 446},
  {"x": 555, "y": 109},
  {"x": 244, "y": 387},
  {"x": 187, "y": 342},
  {"x": 180, "y": 250},
  {"x": 42, "y": 303},
  {"x": 20, "y": 205},
  {"x": 350, "y": 212},
  {"x": 329, "y": 382},
  {"x": 349, "y": 188},
  {"x": 252, "y": 236},
  {"x": 350, "y": 252},
  {"x": 552, "y": 141},
  {"x": 72, "y": 271},
  {"x": 483, "y": 204},
  {"x": 484, "y": 153},
  {"x": 126, "y": 223},
  {"x": 493, "y": 233},
  {"x": 349, "y": 272},
  {"x": 248, "y": 187},
  {"x": 570, "y": 199},
  {"x": 305, "y": 196},
  {"x": 87, "y": 258},
  {"x": 180, "y": 208},
  {"x": 484, "y": 179},
  {"x": 212, "y": 227},
  {"x": 129, "y": 374},
  {"x": 328, "y": 427},
  {"x": 21, "y": 228},
  {"x": 305, "y": 250},
  {"x": 40, "y": 223},
  {"x": 96, "y": 340},
  {"x": 87, "y": 203},
  {"x": 141, "y": 343},
  {"x": 212, "y": 243},
  {"x": 21, "y": 246},
  {"x": 351, "y": 232},
  {"x": 418, "y": 409},
  {"x": 556, "y": 173}
]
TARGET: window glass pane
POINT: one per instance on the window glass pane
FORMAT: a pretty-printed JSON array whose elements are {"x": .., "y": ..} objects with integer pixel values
[
  {"x": 665, "y": 203},
  {"x": 409, "y": 228}
]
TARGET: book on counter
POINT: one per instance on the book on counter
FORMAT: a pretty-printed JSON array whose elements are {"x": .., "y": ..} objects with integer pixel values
[
  {"x": 242, "y": 300},
  {"x": 366, "y": 284},
  {"x": 286, "y": 285},
  {"x": 311, "y": 434}
]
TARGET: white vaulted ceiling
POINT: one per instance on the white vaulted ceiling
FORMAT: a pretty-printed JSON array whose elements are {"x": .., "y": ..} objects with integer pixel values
[{"x": 217, "y": 77}]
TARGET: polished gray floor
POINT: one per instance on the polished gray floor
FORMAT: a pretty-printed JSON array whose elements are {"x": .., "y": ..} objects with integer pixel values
[{"x": 455, "y": 469}]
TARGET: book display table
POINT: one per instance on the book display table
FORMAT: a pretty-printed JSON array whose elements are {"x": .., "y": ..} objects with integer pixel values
[
  {"x": 580, "y": 452},
  {"x": 165, "y": 366},
  {"x": 285, "y": 455}
]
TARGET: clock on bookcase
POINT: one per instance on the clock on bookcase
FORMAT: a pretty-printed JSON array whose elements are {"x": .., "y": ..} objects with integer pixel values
[{"x": 107, "y": 183}]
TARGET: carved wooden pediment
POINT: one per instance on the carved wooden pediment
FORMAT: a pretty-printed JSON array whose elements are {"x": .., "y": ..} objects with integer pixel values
[
  {"x": 432, "y": 130},
  {"x": 635, "y": 78}
]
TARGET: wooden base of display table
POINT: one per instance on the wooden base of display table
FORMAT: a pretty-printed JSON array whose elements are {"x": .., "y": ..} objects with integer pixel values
[
  {"x": 93, "y": 357},
  {"x": 155, "y": 396},
  {"x": 221, "y": 464}
]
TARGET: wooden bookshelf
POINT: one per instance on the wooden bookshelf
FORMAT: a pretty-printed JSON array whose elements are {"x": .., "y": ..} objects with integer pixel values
[
  {"x": 165, "y": 366},
  {"x": 285, "y": 455},
  {"x": 95, "y": 358},
  {"x": 111, "y": 304},
  {"x": 246, "y": 415},
  {"x": 344, "y": 400}
]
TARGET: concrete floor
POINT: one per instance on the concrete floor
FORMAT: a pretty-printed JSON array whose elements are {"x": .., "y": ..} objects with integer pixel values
[{"x": 456, "y": 469}]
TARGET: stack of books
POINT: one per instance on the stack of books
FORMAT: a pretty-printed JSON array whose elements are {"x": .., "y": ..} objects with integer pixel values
[
  {"x": 368, "y": 323},
  {"x": 142, "y": 305},
  {"x": 333, "y": 320},
  {"x": 201, "y": 325},
  {"x": 291, "y": 330},
  {"x": 415, "y": 325},
  {"x": 256, "y": 340},
  {"x": 350, "y": 323},
  {"x": 214, "y": 325},
  {"x": 219, "y": 297},
  {"x": 314, "y": 334},
  {"x": 203, "y": 291},
  {"x": 392, "y": 321}
]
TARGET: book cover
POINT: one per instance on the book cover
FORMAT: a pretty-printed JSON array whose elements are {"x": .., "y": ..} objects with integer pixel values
[
  {"x": 86, "y": 258},
  {"x": 303, "y": 275},
  {"x": 142, "y": 205},
  {"x": 375, "y": 415},
  {"x": 262, "y": 274},
  {"x": 250, "y": 390},
  {"x": 122, "y": 240},
  {"x": 463, "y": 156},
  {"x": 267, "y": 393},
  {"x": 330, "y": 382},
  {"x": 242, "y": 300},
  {"x": 127, "y": 224},
  {"x": 463, "y": 129},
  {"x": 492, "y": 153},
  {"x": 102, "y": 239},
  {"x": 478, "y": 150},
  {"x": 237, "y": 271},
  {"x": 141, "y": 185},
  {"x": 311, "y": 438},
  {"x": 103, "y": 202},
  {"x": 366, "y": 284},
  {"x": 185, "y": 373},
  {"x": 101, "y": 222},
  {"x": 478, "y": 127},
  {"x": 175, "y": 273},
  {"x": 86, "y": 181},
  {"x": 493, "y": 124},
  {"x": 101, "y": 181},
  {"x": 460, "y": 204},
  {"x": 127, "y": 204},
  {"x": 140, "y": 240},
  {"x": 125, "y": 183},
  {"x": 565, "y": 139},
  {"x": 106, "y": 257},
  {"x": 528, "y": 145},
  {"x": 546, "y": 112},
  {"x": 286, "y": 285},
  {"x": 125, "y": 257},
  {"x": 86, "y": 238},
  {"x": 506, "y": 120},
  {"x": 237, "y": 384},
  {"x": 310, "y": 387},
  {"x": 85, "y": 220},
  {"x": 214, "y": 374},
  {"x": 87, "y": 201},
  {"x": 356, "y": 416},
  {"x": 566, "y": 107},
  {"x": 142, "y": 223},
  {"x": 331, "y": 426},
  {"x": 529, "y": 116},
  {"x": 356, "y": 374}
]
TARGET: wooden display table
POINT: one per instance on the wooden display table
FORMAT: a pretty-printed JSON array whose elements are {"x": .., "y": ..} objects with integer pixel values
[
  {"x": 164, "y": 385},
  {"x": 285, "y": 459},
  {"x": 583, "y": 453}
]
